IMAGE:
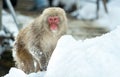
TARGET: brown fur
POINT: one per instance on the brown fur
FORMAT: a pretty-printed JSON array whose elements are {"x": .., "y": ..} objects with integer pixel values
[{"x": 36, "y": 42}]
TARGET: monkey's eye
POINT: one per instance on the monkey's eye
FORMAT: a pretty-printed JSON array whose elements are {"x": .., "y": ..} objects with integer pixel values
[
  {"x": 55, "y": 19},
  {"x": 50, "y": 18}
]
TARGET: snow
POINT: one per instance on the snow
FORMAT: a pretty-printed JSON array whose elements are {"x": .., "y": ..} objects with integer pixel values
[
  {"x": 8, "y": 22},
  {"x": 109, "y": 21},
  {"x": 14, "y": 72},
  {"x": 96, "y": 57}
]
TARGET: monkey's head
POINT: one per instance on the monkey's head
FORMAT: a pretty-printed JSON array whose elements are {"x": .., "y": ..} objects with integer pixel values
[{"x": 54, "y": 18}]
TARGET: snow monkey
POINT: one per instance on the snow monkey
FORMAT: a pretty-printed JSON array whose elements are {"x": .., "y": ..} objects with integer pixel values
[{"x": 36, "y": 42}]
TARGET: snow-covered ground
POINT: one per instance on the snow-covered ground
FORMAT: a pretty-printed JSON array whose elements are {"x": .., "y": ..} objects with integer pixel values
[
  {"x": 14, "y": 72},
  {"x": 109, "y": 21},
  {"x": 8, "y": 22}
]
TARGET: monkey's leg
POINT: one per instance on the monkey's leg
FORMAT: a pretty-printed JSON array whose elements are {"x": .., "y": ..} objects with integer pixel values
[
  {"x": 25, "y": 61},
  {"x": 39, "y": 57},
  {"x": 45, "y": 60},
  {"x": 43, "y": 63}
]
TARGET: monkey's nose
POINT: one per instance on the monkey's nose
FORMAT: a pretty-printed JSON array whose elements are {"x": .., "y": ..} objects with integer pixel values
[
  {"x": 56, "y": 19},
  {"x": 51, "y": 19}
]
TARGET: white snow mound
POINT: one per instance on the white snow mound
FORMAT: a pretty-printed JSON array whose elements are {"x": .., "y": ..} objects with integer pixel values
[{"x": 97, "y": 57}]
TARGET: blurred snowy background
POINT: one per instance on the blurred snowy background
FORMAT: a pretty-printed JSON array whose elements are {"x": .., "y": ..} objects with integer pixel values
[{"x": 91, "y": 51}]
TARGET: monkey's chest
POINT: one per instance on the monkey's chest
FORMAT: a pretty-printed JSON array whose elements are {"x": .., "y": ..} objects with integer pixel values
[{"x": 48, "y": 44}]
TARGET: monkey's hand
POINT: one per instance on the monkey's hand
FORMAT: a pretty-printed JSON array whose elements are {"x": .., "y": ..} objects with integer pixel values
[{"x": 40, "y": 57}]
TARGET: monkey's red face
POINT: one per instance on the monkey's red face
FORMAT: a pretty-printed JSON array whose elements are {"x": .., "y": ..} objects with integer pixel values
[{"x": 53, "y": 22}]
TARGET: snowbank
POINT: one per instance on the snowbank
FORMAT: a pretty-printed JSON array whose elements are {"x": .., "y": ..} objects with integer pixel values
[
  {"x": 14, "y": 72},
  {"x": 96, "y": 57}
]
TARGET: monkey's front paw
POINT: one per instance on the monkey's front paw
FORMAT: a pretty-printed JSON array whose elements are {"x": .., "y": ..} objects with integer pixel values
[{"x": 44, "y": 67}]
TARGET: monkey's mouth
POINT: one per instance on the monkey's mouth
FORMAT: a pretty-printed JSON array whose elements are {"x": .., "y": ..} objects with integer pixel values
[{"x": 53, "y": 27}]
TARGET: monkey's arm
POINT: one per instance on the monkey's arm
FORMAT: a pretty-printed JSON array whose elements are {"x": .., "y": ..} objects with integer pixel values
[
  {"x": 39, "y": 56},
  {"x": 23, "y": 58}
]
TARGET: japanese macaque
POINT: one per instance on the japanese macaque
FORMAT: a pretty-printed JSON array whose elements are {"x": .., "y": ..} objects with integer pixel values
[{"x": 36, "y": 42}]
